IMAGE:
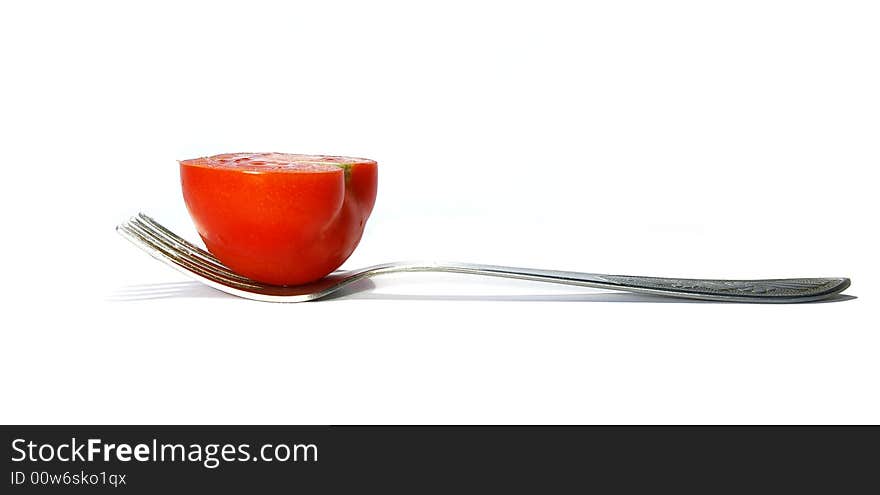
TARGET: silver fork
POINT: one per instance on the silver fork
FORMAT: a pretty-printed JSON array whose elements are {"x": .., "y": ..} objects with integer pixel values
[{"x": 177, "y": 252}]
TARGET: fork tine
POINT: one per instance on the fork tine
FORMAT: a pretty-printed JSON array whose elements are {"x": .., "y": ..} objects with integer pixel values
[
  {"x": 165, "y": 232},
  {"x": 169, "y": 253},
  {"x": 179, "y": 244},
  {"x": 161, "y": 231},
  {"x": 174, "y": 259},
  {"x": 158, "y": 251},
  {"x": 217, "y": 271}
]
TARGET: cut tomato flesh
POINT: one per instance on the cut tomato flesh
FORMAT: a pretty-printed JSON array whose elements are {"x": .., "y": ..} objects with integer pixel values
[{"x": 281, "y": 162}]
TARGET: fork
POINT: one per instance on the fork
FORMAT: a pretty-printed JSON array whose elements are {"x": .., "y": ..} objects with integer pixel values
[{"x": 191, "y": 260}]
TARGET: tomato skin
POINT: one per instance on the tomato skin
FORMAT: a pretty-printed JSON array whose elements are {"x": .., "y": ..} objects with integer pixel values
[{"x": 279, "y": 226}]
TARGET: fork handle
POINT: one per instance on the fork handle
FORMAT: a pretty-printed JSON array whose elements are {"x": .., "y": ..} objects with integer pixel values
[{"x": 787, "y": 290}]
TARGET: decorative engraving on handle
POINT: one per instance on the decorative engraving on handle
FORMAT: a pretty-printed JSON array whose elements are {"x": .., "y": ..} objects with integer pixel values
[
  {"x": 781, "y": 288},
  {"x": 751, "y": 287}
]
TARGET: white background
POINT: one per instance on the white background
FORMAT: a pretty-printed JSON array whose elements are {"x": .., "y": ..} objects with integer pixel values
[{"x": 701, "y": 139}]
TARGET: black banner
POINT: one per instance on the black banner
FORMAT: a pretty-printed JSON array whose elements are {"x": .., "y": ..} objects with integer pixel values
[{"x": 413, "y": 459}]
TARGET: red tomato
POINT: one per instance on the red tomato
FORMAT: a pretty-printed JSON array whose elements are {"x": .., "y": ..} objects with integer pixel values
[{"x": 279, "y": 218}]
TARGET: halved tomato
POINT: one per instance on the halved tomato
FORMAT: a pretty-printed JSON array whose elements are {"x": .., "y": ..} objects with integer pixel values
[{"x": 280, "y": 218}]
